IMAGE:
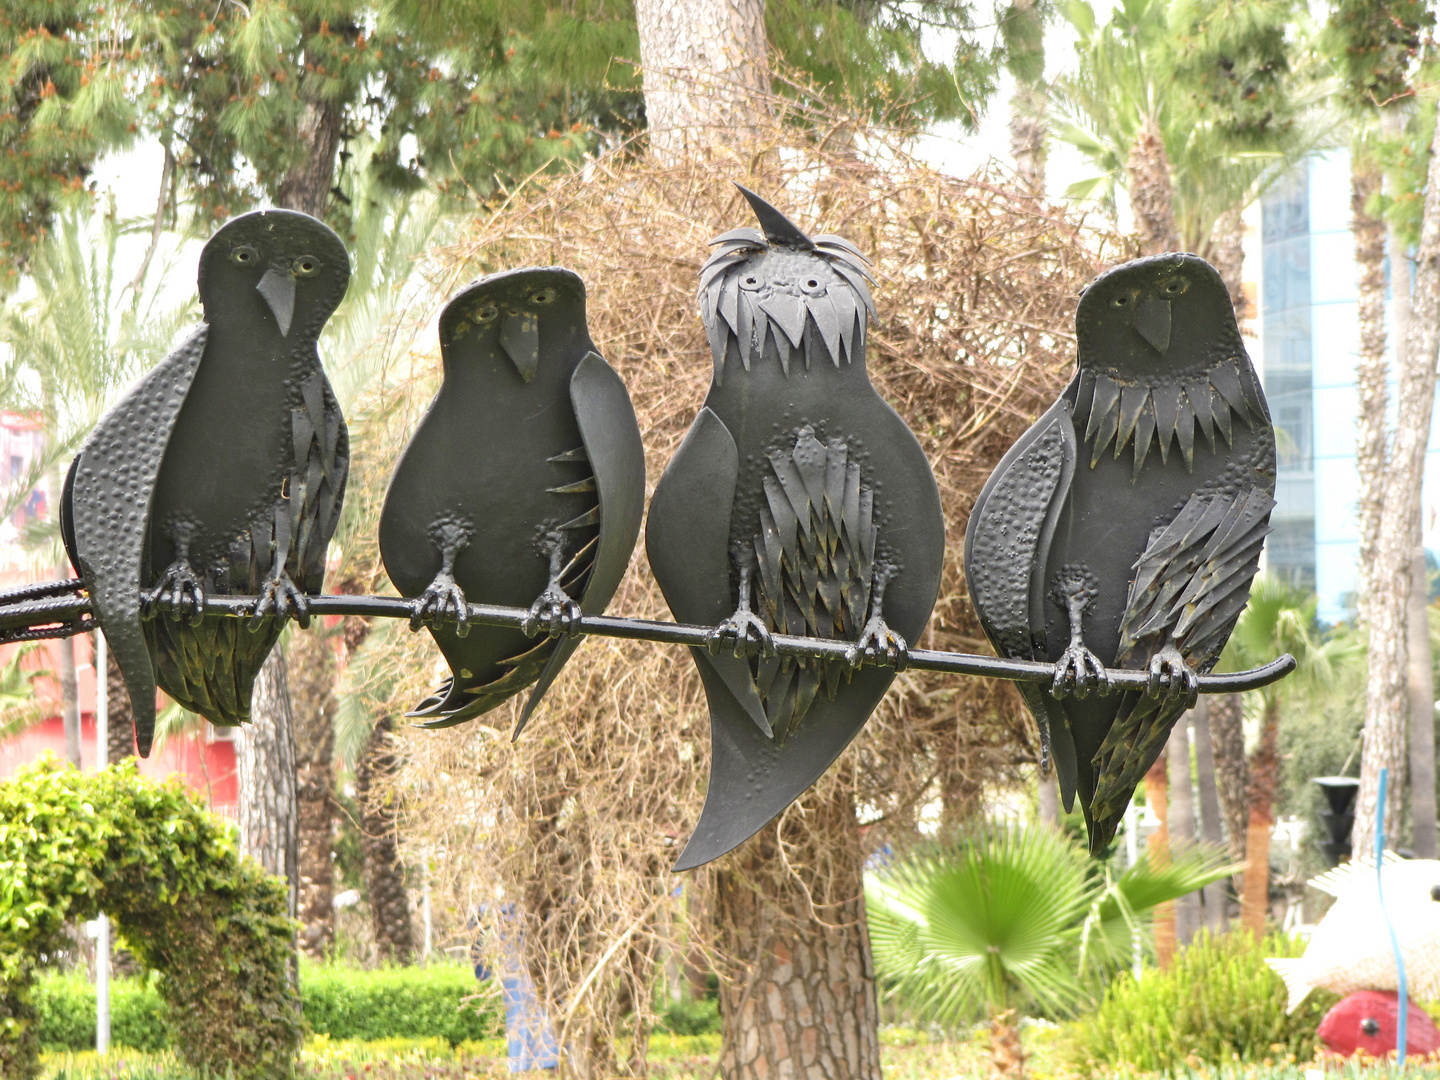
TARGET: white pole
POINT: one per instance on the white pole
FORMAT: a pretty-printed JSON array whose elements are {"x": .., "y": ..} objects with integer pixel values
[
  {"x": 426, "y": 916},
  {"x": 102, "y": 936}
]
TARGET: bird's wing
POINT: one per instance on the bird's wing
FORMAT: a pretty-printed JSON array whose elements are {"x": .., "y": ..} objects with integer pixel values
[
  {"x": 611, "y": 437},
  {"x": 114, "y": 478},
  {"x": 1189, "y": 588},
  {"x": 1007, "y": 546},
  {"x": 753, "y": 777},
  {"x": 687, "y": 540}
]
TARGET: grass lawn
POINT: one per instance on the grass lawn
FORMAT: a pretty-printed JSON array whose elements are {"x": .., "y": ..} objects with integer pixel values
[{"x": 906, "y": 1055}]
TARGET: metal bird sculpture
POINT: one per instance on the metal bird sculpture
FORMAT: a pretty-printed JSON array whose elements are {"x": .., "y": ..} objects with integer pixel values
[
  {"x": 524, "y": 484},
  {"x": 1124, "y": 528},
  {"x": 798, "y": 503},
  {"x": 220, "y": 472}
]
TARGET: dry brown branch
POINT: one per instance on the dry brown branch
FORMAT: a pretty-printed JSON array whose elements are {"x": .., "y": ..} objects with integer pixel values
[{"x": 573, "y": 828}]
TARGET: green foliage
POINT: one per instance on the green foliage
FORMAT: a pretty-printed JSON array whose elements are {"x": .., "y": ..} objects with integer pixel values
[
  {"x": 700, "y": 1017},
  {"x": 441, "y": 1001},
  {"x": 869, "y": 55},
  {"x": 1217, "y": 1003},
  {"x": 1013, "y": 917},
  {"x": 168, "y": 873},
  {"x": 1375, "y": 46},
  {"x": 65, "y": 1011}
]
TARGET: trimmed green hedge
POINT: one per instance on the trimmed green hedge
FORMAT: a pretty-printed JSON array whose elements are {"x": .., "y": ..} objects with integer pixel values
[
  {"x": 343, "y": 1003},
  {"x": 66, "y": 1008},
  {"x": 413, "y": 1002}
]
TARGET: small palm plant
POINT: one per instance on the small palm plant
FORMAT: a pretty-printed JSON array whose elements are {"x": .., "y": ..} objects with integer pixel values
[{"x": 1006, "y": 918}]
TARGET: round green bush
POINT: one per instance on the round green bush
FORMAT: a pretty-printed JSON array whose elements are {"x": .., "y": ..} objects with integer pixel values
[
  {"x": 65, "y": 1011},
  {"x": 1217, "y": 1003},
  {"x": 168, "y": 874}
]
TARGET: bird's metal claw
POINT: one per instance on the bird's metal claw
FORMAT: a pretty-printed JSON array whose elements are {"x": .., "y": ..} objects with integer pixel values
[
  {"x": 555, "y": 613},
  {"x": 744, "y": 633},
  {"x": 1077, "y": 672},
  {"x": 280, "y": 598},
  {"x": 880, "y": 645},
  {"x": 186, "y": 594},
  {"x": 441, "y": 600},
  {"x": 1172, "y": 677}
]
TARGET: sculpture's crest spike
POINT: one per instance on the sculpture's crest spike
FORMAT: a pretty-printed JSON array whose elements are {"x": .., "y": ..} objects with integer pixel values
[{"x": 777, "y": 227}]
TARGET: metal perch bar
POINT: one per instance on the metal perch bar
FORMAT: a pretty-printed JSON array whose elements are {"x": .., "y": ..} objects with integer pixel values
[{"x": 65, "y": 616}]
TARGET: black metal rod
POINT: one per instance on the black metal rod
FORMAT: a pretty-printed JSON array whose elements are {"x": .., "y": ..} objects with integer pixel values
[{"x": 67, "y": 611}]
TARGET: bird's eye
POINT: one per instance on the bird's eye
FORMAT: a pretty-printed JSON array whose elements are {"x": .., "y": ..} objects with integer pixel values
[
  {"x": 1120, "y": 301},
  {"x": 307, "y": 266},
  {"x": 1435, "y": 892},
  {"x": 1175, "y": 286},
  {"x": 812, "y": 284},
  {"x": 244, "y": 255},
  {"x": 543, "y": 296},
  {"x": 1369, "y": 1026},
  {"x": 487, "y": 314}
]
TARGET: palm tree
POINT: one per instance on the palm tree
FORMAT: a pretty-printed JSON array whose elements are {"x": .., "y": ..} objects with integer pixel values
[
  {"x": 1010, "y": 917},
  {"x": 1146, "y": 108},
  {"x": 69, "y": 352},
  {"x": 1280, "y": 618}
]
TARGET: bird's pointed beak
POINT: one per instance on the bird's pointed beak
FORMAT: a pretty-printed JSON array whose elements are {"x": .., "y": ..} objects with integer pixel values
[
  {"x": 278, "y": 289},
  {"x": 1152, "y": 320},
  {"x": 520, "y": 338}
]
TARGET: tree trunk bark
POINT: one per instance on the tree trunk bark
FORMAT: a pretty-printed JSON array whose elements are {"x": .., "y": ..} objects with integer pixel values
[
  {"x": 1048, "y": 799},
  {"x": 379, "y": 821},
  {"x": 1152, "y": 192},
  {"x": 313, "y": 697},
  {"x": 1264, "y": 782},
  {"x": 704, "y": 69},
  {"x": 306, "y": 187},
  {"x": 1181, "y": 821},
  {"x": 1232, "y": 771},
  {"x": 267, "y": 776},
  {"x": 121, "y": 741},
  {"x": 1227, "y": 253},
  {"x": 1211, "y": 830},
  {"x": 797, "y": 990},
  {"x": 1029, "y": 133},
  {"x": 1157, "y": 798},
  {"x": 1384, "y": 744},
  {"x": 1421, "y": 680},
  {"x": 1369, "y": 232}
]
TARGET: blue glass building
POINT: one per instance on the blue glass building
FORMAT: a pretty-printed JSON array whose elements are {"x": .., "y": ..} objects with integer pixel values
[{"x": 1308, "y": 349}]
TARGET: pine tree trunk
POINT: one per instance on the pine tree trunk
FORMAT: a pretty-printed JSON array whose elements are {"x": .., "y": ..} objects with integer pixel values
[
  {"x": 1369, "y": 232},
  {"x": 1211, "y": 830},
  {"x": 797, "y": 992},
  {"x": 705, "y": 72},
  {"x": 1421, "y": 680},
  {"x": 1157, "y": 797},
  {"x": 267, "y": 776},
  {"x": 1232, "y": 771},
  {"x": 1384, "y": 744},
  {"x": 1264, "y": 783},
  {"x": 1181, "y": 821},
  {"x": 312, "y": 693},
  {"x": 121, "y": 731},
  {"x": 1152, "y": 192},
  {"x": 306, "y": 187},
  {"x": 384, "y": 872}
]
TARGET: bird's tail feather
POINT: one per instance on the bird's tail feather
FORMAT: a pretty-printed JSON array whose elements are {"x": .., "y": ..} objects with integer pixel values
[{"x": 1292, "y": 972}]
